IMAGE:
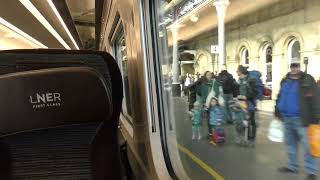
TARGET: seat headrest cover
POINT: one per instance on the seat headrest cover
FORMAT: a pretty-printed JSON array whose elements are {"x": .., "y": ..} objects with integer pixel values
[{"x": 52, "y": 97}]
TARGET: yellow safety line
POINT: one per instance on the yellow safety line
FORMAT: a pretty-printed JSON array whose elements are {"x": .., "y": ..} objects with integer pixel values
[{"x": 202, "y": 164}]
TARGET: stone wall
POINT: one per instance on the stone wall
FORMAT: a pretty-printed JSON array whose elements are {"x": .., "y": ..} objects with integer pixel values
[{"x": 275, "y": 25}]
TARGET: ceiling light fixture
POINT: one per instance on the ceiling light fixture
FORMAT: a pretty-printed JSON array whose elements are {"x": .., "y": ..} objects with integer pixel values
[
  {"x": 53, "y": 7},
  {"x": 35, "y": 12},
  {"x": 194, "y": 18},
  {"x": 20, "y": 32}
]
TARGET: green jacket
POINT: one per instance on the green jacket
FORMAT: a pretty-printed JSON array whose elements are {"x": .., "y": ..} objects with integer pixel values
[
  {"x": 197, "y": 116},
  {"x": 205, "y": 88},
  {"x": 247, "y": 87},
  {"x": 309, "y": 99}
]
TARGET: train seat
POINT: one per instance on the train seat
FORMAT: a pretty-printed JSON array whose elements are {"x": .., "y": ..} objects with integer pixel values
[{"x": 59, "y": 117}]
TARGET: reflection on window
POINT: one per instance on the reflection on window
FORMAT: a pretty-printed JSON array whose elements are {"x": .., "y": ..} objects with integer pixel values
[
  {"x": 191, "y": 27},
  {"x": 121, "y": 56}
]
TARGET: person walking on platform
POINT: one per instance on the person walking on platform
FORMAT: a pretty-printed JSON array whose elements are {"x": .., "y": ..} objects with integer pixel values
[
  {"x": 298, "y": 106},
  {"x": 228, "y": 84},
  {"x": 248, "y": 92},
  {"x": 207, "y": 85},
  {"x": 187, "y": 83}
]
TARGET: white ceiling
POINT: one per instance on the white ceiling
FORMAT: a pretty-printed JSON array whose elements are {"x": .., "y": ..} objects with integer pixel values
[
  {"x": 83, "y": 12},
  {"x": 10, "y": 39}
]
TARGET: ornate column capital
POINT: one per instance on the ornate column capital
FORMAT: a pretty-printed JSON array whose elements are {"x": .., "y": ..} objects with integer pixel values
[
  {"x": 221, "y": 3},
  {"x": 221, "y": 7}
]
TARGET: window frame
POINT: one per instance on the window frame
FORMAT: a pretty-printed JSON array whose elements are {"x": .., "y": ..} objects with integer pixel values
[
  {"x": 155, "y": 72},
  {"x": 119, "y": 34}
]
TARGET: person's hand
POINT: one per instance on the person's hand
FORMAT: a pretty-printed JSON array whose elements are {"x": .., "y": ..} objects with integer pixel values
[
  {"x": 241, "y": 97},
  {"x": 277, "y": 113}
]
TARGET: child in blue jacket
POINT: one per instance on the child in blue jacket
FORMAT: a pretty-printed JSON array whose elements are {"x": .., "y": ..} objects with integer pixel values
[{"x": 216, "y": 115}]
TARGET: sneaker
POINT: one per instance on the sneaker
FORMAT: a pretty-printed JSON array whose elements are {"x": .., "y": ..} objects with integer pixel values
[
  {"x": 237, "y": 141},
  {"x": 287, "y": 170},
  {"x": 244, "y": 143},
  {"x": 311, "y": 177},
  {"x": 251, "y": 144},
  {"x": 193, "y": 137},
  {"x": 199, "y": 137}
]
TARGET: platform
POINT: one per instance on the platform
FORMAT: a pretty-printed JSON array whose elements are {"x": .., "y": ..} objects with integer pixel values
[{"x": 204, "y": 160}]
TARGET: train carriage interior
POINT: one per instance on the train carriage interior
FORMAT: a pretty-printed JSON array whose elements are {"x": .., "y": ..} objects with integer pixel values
[{"x": 159, "y": 89}]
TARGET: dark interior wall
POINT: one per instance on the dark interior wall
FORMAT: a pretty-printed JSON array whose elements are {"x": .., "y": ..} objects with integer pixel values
[{"x": 99, "y": 8}]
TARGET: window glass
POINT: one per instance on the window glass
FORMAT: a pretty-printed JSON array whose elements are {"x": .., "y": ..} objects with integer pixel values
[
  {"x": 244, "y": 56},
  {"x": 214, "y": 129},
  {"x": 120, "y": 49},
  {"x": 268, "y": 56},
  {"x": 294, "y": 51}
]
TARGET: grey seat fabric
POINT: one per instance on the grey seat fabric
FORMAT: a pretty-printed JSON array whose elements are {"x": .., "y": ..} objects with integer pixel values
[
  {"x": 76, "y": 140},
  {"x": 53, "y": 154}
]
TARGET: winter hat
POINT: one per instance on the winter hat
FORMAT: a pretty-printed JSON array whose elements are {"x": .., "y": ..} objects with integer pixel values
[
  {"x": 295, "y": 62},
  {"x": 215, "y": 99},
  {"x": 243, "y": 70}
]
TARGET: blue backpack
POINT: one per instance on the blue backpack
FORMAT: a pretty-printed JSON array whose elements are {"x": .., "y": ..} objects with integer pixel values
[{"x": 259, "y": 85}]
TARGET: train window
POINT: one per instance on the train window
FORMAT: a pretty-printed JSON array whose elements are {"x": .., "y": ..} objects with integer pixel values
[
  {"x": 120, "y": 49},
  {"x": 211, "y": 130}
]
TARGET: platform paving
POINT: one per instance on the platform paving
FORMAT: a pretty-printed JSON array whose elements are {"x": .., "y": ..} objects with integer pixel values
[{"x": 229, "y": 160}]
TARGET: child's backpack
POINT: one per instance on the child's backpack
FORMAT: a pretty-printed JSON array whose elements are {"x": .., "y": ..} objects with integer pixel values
[
  {"x": 219, "y": 136},
  {"x": 259, "y": 87}
]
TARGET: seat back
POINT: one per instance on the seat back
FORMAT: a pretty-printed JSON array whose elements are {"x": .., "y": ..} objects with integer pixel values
[{"x": 59, "y": 115}]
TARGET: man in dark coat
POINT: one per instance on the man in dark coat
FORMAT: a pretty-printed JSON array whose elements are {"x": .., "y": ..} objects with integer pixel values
[{"x": 228, "y": 84}]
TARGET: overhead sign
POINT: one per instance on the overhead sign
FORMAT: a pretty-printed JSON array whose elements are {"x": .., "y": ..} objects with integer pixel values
[
  {"x": 215, "y": 49},
  {"x": 306, "y": 60}
]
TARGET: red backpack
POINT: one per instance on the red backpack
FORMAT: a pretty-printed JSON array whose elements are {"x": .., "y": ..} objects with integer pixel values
[{"x": 219, "y": 136}]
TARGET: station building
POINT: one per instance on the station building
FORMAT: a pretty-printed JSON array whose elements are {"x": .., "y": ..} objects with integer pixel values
[{"x": 265, "y": 35}]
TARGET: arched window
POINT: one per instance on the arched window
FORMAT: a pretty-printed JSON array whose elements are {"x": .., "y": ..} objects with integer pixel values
[
  {"x": 244, "y": 56},
  {"x": 267, "y": 54},
  {"x": 294, "y": 51}
]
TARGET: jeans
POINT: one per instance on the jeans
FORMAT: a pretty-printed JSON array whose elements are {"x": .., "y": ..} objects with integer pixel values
[
  {"x": 295, "y": 132},
  {"x": 227, "y": 110},
  {"x": 252, "y": 127}
]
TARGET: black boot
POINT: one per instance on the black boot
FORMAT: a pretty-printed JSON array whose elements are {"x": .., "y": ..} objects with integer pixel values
[
  {"x": 287, "y": 170},
  {"x": 311, "y": 177}
]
